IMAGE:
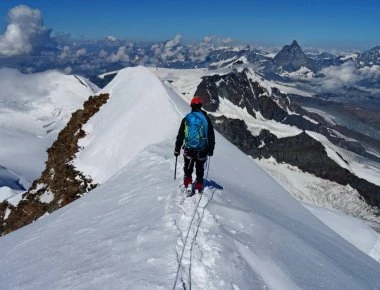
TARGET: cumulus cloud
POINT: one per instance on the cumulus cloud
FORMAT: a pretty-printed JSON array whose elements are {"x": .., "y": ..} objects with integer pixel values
[
  {"x": 214, "y": 40},
  {"x": 174, "y": 42},
  {"x": 81, "y": 52},
  {"x": 346, "y": 75},
  {"x": 169, "y": 50},
  {"x": 111, "y": 38},
  {"x": 120, "y": 55},
  {"x": 65, "y": 53},
  {"x": 24, "y": 33},
  {"x": 200, "y": 51},
  {"x": 103, "y": 53}
]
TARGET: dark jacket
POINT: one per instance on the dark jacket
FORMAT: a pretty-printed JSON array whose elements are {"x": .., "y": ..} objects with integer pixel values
[{"x": 210, "y": 137}]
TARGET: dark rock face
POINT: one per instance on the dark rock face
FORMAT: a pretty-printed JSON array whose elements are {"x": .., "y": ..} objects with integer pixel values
[
  {"x": 243, "y": 92},
  {"x": 60, "y": 183},
  {"x": 239, "y": 89},
  {"x": 302, "y": 150},
  {"x": 236, "y": 131},
  {"x": 292, "y": 58}
]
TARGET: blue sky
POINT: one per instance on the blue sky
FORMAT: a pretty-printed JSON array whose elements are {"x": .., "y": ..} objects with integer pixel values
[{"x": 334, "y": 23}]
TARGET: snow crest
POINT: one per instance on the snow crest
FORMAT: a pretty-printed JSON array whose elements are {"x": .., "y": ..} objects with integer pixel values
[{"x": 139, "y": 113}]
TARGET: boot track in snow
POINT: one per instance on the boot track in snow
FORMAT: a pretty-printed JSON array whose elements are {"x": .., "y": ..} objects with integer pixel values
[{"x": 189, "y": 219}]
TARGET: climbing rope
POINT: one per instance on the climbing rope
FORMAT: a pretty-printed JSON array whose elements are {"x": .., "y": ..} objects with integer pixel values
[
  {"x": 188, "y": 231},
  {"x": 184, "y": 244}
]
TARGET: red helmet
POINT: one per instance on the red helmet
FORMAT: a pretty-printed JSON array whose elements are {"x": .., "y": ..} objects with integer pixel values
[{"x": 196, "y": 101}]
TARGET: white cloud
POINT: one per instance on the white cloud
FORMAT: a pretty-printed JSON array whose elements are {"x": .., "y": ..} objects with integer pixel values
[
  {"x": 111, "y": 38},
  {"x": 214, "y": 40},
  {"x": 174, "y": 42},
  {"x": 81, "y": 52},
  {"x": 346, "y": 75},
  {"x": 171, "y": 49},
  {"x": 103, "y": 53},
  {"x": 65, "y": 53},
  {"x": 226, "y": 40},
  {"x": 120, "y": 55},
  {"x": 25, "y": 32}
]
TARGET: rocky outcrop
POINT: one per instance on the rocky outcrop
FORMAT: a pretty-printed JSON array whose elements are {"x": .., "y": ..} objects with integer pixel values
[
  {"x": 60, "y": 183},
  {"x": 301, "y": 151}
]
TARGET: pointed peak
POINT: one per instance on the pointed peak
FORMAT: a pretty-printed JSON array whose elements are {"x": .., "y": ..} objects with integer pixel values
[{"x": 295, "y": 43}]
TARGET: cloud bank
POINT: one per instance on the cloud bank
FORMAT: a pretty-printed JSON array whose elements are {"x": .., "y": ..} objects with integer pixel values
[
  {"x": 346, "y": 75},
  {"x": 24, "y": 33}
]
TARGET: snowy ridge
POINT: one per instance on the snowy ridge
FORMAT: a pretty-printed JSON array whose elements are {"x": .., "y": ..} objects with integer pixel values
[
  {"x": 129, "y": 112},
  {"x": 128, "y": 232}
]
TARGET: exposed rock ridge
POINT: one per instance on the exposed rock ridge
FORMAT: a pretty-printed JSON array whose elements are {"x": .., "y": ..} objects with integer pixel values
[
  {"x": 242, "y": 91},
  {"x": 60, "y": 183},
  {"x": 301, "y": 151}
]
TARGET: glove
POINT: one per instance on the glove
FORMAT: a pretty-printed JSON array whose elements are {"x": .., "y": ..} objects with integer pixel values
[{"x": 176, "y": 153}]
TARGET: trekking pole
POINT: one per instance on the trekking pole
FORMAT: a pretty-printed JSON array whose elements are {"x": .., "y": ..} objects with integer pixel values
[
  {"x": 208, "y": 166},
  {"x": 175, "y": 168}
]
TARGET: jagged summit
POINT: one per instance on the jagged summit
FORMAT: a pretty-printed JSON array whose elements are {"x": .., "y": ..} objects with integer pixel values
[
  {"x": 295, "y": 44},
  {"x": 291, "y": 57}
]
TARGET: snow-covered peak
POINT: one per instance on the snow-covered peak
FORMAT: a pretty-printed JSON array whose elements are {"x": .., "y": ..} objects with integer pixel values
[{"x": 139, "y": 113}]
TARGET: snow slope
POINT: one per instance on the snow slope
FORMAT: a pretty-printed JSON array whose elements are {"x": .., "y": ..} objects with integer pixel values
[
  {"x": 129, "y": 233},
  {"x": 33, "y": 109}
]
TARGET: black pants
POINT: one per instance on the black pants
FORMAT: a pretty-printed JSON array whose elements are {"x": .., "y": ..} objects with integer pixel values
[{"x": 195, "y": 157}]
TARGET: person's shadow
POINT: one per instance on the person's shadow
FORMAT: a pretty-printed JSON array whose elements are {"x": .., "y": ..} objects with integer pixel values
[{"x": 212, "y": 183}]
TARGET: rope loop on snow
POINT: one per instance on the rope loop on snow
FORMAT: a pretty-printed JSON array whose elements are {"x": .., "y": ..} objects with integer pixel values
[{"x": 184, "y": 244}]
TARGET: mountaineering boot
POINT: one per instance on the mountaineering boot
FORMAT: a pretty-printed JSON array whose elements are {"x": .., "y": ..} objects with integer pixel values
[
  {"x": 187, "y": 180},
  {"x": 187, "y": 183},
  {"x": 199, "y": 187}
]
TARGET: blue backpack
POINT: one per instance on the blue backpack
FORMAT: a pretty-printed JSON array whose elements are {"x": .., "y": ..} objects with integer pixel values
[{"x": 196, "y": 131}]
